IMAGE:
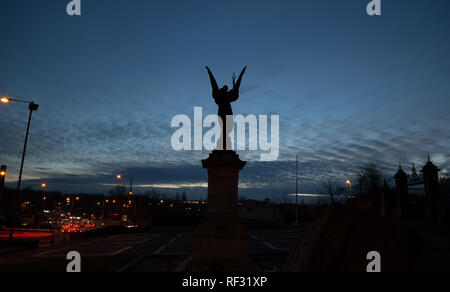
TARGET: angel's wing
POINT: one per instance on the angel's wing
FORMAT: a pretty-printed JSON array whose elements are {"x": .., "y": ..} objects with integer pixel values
[
  {"x": 238, "y": 83},
  {"x": 215, "y": 87},
  {"x": 234, "y": 94}
]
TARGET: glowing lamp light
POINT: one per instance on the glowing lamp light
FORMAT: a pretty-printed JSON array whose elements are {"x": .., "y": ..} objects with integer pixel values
[
  {"x": 43, "y": 185},
  {"x": 348, "y": 181},
  {"x": 119, "y": 176},
  {"x": 5, "y": 99},
  {"x": 2, "y": 173}
]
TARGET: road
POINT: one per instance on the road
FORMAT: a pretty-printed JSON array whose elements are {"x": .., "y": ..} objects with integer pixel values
[{"x": 144, "y": 252}]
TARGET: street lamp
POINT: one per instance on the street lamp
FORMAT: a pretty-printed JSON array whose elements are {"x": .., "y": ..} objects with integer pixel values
[
  {"x": 296, "y": 193},
  {"x": 44, "y": 198},
  {"x": 32, "y": 107},
  {"x": 120, "y": 176},
  {"x": 349, "y": 182},
  {"x": 2, "y": 175}
]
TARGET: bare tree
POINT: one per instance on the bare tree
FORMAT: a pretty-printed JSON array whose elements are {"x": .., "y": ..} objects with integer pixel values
[
  {"x": 370, "y": 179},
  {"x": 332, "y": 190}
]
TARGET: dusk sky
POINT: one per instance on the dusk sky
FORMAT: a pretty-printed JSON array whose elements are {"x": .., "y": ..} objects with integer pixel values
[{"x": 349, "y": 89}]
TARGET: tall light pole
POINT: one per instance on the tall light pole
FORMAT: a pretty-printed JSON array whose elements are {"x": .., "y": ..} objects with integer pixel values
[
  {"x": 44, "y": 198},
  {"x": 349, "y": 182},
  {"x": 32, "y": 107},
  {"x": 296, "y": 193},
  {"x": 119, "y": 177},
  {"x": 2, "y": 176}
]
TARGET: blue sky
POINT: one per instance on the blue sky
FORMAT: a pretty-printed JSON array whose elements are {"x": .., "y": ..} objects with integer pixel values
[{"x": 349, "y": 89}]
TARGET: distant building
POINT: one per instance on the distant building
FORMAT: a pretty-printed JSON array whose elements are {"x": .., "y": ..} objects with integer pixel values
[
  {"x": 401, "y": 201},
  {"x": 433, "y": 201},
  {"x": 415, "y": 184},
  {"x": 415, "y": 178}
]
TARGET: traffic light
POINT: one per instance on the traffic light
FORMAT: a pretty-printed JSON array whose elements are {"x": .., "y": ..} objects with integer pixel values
[{"x": 2, "y": 175}]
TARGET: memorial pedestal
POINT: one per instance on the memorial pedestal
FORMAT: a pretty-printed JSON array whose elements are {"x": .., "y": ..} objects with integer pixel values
[{"x": 221, "y": 241}]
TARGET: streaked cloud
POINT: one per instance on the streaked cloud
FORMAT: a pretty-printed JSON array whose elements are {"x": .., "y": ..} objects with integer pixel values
[{"x": 108, "y": 90}]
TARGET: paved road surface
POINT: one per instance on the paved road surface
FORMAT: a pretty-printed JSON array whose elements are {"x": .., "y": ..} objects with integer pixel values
[{"x": 144, "y": 252}]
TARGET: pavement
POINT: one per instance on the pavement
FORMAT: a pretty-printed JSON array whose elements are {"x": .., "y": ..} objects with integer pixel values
[{"x": 144, "y": 252}]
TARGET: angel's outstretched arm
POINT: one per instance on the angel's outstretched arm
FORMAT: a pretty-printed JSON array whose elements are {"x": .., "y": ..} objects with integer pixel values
[{"x": 215, "y": 87}]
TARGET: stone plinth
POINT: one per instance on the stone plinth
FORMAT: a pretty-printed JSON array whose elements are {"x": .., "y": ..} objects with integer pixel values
[{"x": 221, "y": 241}]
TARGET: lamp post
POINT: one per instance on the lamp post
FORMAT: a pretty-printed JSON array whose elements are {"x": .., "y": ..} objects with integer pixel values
[
  {"x": 32, "y": 107},
  {"x": 44, "y": 198},
  {"x": 296, "y": 193},
  {"x": 2, "y": 176},
  {"x": 119, "y": 177},
  {"x": 349, "y": 182}
]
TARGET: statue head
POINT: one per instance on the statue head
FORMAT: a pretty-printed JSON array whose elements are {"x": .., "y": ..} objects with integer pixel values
[{"x": 224, "y": 89}]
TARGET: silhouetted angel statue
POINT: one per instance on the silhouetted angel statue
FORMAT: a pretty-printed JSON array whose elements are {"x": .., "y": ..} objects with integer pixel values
[{"x": 223, "y": 97}]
